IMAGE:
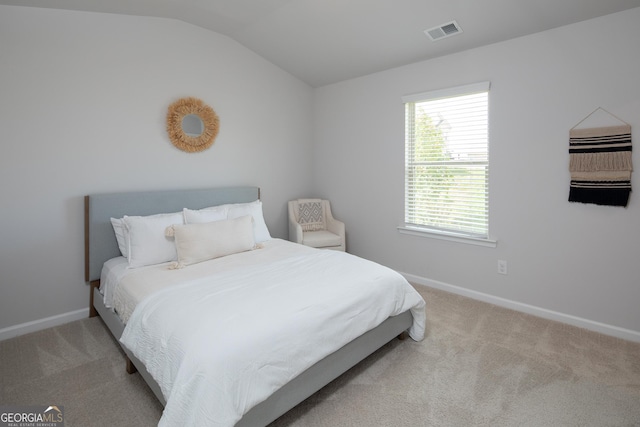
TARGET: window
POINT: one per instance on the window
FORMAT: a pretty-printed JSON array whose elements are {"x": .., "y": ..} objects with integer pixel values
[{"x": 447, "y": 162}]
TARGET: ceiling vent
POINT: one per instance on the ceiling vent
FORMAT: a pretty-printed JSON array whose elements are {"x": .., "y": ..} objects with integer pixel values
[{"x": 445, "y": 30}]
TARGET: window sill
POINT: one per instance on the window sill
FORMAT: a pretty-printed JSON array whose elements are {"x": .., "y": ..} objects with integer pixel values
[{"x": 452, "y": 237}]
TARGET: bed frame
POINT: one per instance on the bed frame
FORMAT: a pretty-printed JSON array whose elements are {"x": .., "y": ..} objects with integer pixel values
[{"x": 101, "y": 245}]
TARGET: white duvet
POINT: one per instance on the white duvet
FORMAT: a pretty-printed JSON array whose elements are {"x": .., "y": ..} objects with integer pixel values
[{"x": 219, "y": 345}]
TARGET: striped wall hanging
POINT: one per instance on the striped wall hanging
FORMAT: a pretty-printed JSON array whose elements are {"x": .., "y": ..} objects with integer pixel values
[{"x": 600, "y": 164}]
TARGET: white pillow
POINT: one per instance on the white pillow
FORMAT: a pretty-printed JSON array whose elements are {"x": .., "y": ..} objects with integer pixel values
[
  {"x": 204, "y": 241},
  {"x": 214, "y": 213},
  {"x": 260, "y": 230},
  {"x": 121, "y": 235},
  {"x": 147, "y": 243}
]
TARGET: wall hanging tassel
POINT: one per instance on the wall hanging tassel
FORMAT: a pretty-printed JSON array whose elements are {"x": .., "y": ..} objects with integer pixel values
[{"x": 600, "y": 164}]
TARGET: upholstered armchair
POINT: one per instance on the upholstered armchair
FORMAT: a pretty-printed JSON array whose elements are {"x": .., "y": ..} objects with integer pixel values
[{"x": 311, "y": 223}]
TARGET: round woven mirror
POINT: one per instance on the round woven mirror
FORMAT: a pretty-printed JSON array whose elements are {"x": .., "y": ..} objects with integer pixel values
[{"x": 192, "y": 125}]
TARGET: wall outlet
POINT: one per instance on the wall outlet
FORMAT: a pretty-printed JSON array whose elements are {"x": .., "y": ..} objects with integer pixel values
[{"x": 502, "y": 266}]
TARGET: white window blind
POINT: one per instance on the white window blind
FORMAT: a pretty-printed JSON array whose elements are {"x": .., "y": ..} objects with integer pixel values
[{"x": 447, "y": 161}]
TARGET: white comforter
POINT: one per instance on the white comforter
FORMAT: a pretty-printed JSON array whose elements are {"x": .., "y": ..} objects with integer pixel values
[{"x": 217, "y": 346}]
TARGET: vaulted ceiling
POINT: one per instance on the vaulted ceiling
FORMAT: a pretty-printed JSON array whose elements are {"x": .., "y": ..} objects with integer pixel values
[{"x": 326, "y": 41}]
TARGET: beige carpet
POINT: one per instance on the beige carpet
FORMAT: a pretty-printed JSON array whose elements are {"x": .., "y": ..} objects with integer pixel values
[{"x": 480, "y": 365}]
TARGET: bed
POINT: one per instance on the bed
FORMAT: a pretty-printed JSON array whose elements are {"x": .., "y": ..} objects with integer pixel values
[{"x": 286, "y": 371}]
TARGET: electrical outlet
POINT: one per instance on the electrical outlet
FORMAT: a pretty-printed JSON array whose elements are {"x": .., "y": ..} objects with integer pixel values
[{"x": 502, "y": 266}]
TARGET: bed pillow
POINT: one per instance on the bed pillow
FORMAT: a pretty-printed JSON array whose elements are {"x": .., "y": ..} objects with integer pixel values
[
  {"x": 121, "y": 235},
  {"x": 260, "y": 230},
  {"x": 311, "y": 215},
  {"x": 204, "y": 241},
  {"x": 147, "y": 243},
  {"x": 214, "y": 213}
]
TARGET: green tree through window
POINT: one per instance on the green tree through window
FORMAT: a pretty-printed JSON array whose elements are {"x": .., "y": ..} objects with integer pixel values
[{"x": 446, "y": 174}]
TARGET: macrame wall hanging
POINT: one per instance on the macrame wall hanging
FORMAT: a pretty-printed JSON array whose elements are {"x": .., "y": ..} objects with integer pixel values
[{"x": 600, "y": 162}]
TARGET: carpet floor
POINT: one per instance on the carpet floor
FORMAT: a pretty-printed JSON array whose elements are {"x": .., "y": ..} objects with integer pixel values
[{"x": 480, "y": 365}]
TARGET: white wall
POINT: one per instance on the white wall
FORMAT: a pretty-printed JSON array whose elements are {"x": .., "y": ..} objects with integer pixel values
[
  {"x": 575, "y": 260},
  {"x": 82, "y": 103},
  {"x": 83, "y": 99}
]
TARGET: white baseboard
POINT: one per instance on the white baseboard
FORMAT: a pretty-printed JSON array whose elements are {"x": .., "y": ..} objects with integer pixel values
[
  {"x": 615, "y": 331},
  {"x": 38, "y": 325}
]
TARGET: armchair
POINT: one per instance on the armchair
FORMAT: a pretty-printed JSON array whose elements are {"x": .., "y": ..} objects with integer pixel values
[{"x": 311, "y": 224}]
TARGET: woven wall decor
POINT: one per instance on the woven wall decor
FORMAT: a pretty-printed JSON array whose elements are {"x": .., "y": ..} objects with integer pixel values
[
  {"x": 186, "y": 142},
  {"x": 600, "y": 164}
]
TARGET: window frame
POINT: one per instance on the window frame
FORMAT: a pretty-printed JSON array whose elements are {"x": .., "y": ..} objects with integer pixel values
[{"x": 425, "y": 230}]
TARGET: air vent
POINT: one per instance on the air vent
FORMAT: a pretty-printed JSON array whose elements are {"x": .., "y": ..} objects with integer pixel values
[{"x": 446, "y": 30}]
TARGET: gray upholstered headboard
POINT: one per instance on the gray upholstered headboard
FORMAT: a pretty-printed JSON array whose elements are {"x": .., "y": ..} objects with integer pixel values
[{"x": 100, "y": 239}]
